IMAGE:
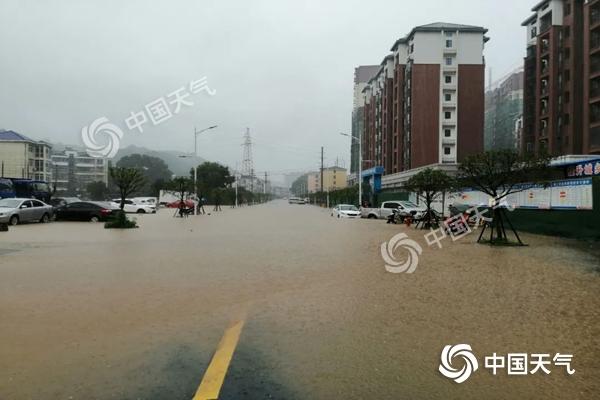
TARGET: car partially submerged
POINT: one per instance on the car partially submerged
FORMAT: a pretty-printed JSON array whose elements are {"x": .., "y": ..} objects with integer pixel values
[
  {"x": 345, "y": 211},
  {"x": 15, "y": 211},
  {"x": 133, "y": 207},
  {"x": 93, "y": 211}
]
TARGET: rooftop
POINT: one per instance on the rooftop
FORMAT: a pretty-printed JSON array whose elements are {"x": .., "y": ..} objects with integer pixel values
[
  {"x": 12, "y": 136},
  {"x": 439, "y": 27},
  {"x": 364, "y": 73},
  {"x": 539, "y": 5}
]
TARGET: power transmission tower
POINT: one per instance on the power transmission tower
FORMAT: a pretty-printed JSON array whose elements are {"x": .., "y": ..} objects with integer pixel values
[{"x": 247, "y": 163}]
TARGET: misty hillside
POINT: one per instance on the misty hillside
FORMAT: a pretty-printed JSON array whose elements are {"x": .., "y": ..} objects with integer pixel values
[{"x": 179, "y": 166}]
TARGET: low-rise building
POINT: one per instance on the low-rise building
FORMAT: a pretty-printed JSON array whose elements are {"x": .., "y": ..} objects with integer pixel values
[
  {"x": 23, "y": 157},
  {"x": 334, "y": 178},
  {"x": 73, "y": 170}
]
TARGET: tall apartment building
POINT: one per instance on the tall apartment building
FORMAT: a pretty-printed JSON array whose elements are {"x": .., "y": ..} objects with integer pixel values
[
  {"x": 425, "y": 105},
  {"x": 503, "y": 110},
  {"x": 562, "y": 78},
  {"x": 73, "y": 170},
  {"x": 22, "y": 157},
  {"x": 362, "y": 75}
]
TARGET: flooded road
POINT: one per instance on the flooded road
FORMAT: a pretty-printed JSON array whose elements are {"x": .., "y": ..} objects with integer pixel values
[{"x": 89, "y": 313}]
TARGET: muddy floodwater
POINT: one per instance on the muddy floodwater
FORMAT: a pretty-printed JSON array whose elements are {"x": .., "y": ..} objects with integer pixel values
[{"x": 89, "y": 313}]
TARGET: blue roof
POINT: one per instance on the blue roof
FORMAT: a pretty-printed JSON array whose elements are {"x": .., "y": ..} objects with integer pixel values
[{"x": 11, "y": 136}]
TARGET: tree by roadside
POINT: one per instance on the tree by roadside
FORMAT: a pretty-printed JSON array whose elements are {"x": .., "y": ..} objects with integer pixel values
[
  {"x": 97, "y": 190},
  {"x": 154, "y": 170},
  {"x": 499, "y": 174},
  {"x": 211, "y": 176},
  {"x": 430, "y": 185},
  {"x": 127, "y": 181},
  {"x": 182, "y": 186}
]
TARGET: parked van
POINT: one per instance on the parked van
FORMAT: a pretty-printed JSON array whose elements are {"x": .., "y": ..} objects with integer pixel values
[
  {"x": 25, "y": 188},
  {"x": 7, "y": 189}
]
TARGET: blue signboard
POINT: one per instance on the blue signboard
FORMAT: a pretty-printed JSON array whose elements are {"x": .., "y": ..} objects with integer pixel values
[{"x": 583, "y": 169}]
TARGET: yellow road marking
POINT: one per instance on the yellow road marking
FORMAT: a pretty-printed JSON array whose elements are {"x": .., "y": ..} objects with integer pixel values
[{"x": 217, "y": 369}]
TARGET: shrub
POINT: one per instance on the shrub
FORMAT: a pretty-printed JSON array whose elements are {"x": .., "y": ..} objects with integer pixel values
[{"x": 120, "y": 221}]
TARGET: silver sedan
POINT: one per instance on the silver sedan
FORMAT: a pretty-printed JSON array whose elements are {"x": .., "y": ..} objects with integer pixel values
[{"x": 14, "y": 211}]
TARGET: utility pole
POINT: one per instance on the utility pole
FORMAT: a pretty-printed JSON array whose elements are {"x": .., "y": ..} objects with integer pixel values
[{"x": 321, "y": 169}]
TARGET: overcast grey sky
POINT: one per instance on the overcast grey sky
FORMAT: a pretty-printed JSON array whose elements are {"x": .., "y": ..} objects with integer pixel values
[{"x": 282, "y": 68}]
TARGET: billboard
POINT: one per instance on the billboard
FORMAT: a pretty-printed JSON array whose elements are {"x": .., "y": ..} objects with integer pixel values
[{"x": 572, "y": 194}]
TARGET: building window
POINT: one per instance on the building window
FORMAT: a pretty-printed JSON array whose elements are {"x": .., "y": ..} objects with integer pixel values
[
  {"x": 448, "y": 78},
  {"x": 449, "y": 43},
  {"x": 448, "y": 97},
  {"x": 568, "y": 8},
  {"x": 447, "y": 132},
  {"x": 449, "y": 60},
  {"x": 449, "y": 34},
  {"x": 448, "y": 115},
  {"x": 447, "y": 151}
]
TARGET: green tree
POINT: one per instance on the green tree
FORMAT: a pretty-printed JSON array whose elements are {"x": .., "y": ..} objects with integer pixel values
[
  {"x": 128, "y": 181},
  {"x": 430, "y": 185},
  {"x": 97, "y": 190},
  {"x": 182, "y": 186},
  {"x": 212, "y": 176},
  {"x": 300, "y": 186},
  {"x": 498, "y": 174},
  {"x": 154, "y": 170}
]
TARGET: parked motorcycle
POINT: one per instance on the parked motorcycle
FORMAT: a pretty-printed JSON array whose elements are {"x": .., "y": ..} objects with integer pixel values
[{"x": 397, "y": 217}]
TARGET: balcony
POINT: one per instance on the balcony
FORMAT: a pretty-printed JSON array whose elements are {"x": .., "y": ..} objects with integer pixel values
[
  {"x": 546, "y": 23},
  {"x": 448, "y": 140},
  {"x": 595, "y": 66},
  {"x": 594, "y": 114},
  {"x": 595, "y": 43},
  {"x": 545, "y": 47},
  {"x": 594, "y": 17},
  {"x": 595, "y": 89},
  {"x": 450, "y": 50}
]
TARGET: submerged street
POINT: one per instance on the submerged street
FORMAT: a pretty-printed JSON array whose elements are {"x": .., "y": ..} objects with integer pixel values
[{"x": 90, "y": 313}]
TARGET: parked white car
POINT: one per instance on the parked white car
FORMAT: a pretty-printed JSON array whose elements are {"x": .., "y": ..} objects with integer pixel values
[
  {"x": 15, "y": 211},
  {"x": 388, "y": 207},
  {"x": 345, "y": 211},
  {"x": 151, "y": 201},
  {"x": 134, "y": 208}
]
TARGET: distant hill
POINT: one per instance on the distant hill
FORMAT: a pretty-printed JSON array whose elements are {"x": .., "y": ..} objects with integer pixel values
[{"x": 178, "y": 165}]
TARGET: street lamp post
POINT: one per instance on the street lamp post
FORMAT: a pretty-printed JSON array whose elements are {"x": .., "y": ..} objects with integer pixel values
[
  {"x": 360, "y": 162},
  {"x": 196, "y": 133}
]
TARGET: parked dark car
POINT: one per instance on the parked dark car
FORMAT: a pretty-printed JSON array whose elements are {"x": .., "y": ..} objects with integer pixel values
[
  {"x": 85, "y": 211},
  {"x": 58, "y": 202}
]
